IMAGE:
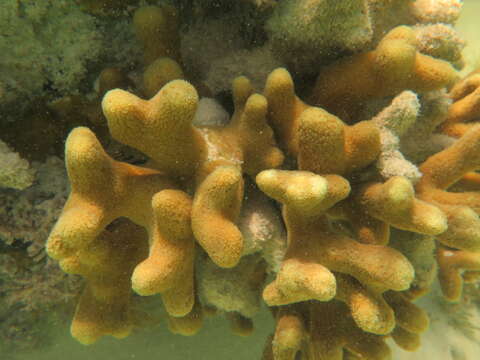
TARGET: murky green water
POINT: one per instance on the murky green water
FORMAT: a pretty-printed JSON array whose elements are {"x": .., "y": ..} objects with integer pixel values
[{"x": 51, "y": 58}]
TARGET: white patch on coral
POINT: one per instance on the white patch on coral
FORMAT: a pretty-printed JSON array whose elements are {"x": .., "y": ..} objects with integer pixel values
[
  {"x": 210, "y": 113},
  {"x": 437, "y": 11},
  {"x": 263, "y": 230},
  {"x": 393, "y": 122}
]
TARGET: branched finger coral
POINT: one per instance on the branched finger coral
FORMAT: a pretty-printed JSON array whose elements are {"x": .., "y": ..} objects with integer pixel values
[
  {"x": 368, "y": 214},
  {"x": 439, "y": 173},
  {"x": 316, "y": 194},
  {"x": 395, "y": 65},
  {"x": 212, "y": 164},
  {"x": 465, "y": 110}
]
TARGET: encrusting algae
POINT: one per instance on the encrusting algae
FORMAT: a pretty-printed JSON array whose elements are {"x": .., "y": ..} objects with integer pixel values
[{"x": 332, "y": 158}]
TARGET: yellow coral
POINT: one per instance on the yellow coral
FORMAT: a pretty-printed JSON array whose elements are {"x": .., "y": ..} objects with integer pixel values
[
  {"x": 158, "y": 73},
  {"x": 212, "y": 158},
  {"x": 157, "y": 29},
  {"x": 104, "y": 189},
  {"x": 395, "y": 65},
  {"x": 462, "y": 236},
  {"x": 326, "y": 331},
  {"x": 464, "y": 113},
  {"x": 341, "y": 289}
]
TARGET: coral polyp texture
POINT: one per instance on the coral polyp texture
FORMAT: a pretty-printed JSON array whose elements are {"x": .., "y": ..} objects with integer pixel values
[{"x": 336, "y": 184}]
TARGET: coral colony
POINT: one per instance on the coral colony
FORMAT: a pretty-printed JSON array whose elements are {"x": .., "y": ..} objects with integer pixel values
[{"x": 336, "y": 201}]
